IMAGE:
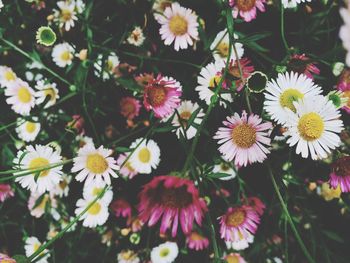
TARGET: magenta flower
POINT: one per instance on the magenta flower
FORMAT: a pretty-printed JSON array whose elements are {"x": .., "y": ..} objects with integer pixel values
[
  {"x": 196, "y": 241},
  {"x": 300, "y": 64},
  {"x": 238, "y": 223},
  {"x": 130, "y": 107},
  {"x": 5, "y": 192},
  {"x": 344, "y": 86},
  {"x": 171, "y": 199},
  {"x": 247, "y": 8},
  {"x": 340, "y": 174},
  {"x": 162, "y": 95},
  {"x": 243, "y": 139},
  {"x": 6, "y": 259},
  {"x": 121, "y": 208},
  {"x": 256, "y": 204},
  {"x": 234, "y": 71}
]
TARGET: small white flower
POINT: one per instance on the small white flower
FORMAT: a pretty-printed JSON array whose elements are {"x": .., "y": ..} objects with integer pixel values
[
  {"x": 96, "y": 215},
  {"x": 63, "y": 54},
  {"x": 28, "y": 130},
  {"x": 7, "y": 76},
  {"x": 225, "y": 168},
  {"x": 165, "y": 253},
  {"x": 92, "y": 190},
  {"x": 293, "y": 3},
  {"x": 240, "y": 244},
  {"x": 38, "y": 203},
  {"x": 136, "y": 37},
  {"x": 62, "y": 188},
  {"x": 45, "y": 90},
  {"x": 66, "y": 14},
  {"x": 107, "y": 67},
  {"x": 128, "y": 256},
  {"x": 32, "y": 244}
]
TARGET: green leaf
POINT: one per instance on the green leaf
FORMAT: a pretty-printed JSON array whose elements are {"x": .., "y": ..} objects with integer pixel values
[
  {"x": 333, "y": 236},
  {"x": 21, "y": 259},
  {"x": 123, "y": 149},
  {"x": 217, "y": 175}
]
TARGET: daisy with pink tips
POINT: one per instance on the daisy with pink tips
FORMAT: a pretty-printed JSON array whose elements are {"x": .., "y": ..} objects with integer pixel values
[
  {"x": 247, "y": 9},
  {"x": 196, "y": 241},
  {"x": 173, "y": 201},
  {"x": 179, "y": 25},
  {"x": 5, "y": 192},
  {"x": 244, "y": 139},
  {"x": 238, "y": 222},
  {"x": 130, "y": 107},
  {"x": 126, "y": 170},
  {"x": 340, "y": 175},
  {"x": 162, "y": 96}
]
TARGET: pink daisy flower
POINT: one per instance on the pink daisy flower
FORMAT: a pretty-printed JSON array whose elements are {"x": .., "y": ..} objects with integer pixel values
[
  {"x": 121, "y": 208},
  {"x": 196, "y": 241},
  {"x": 234, "y": 258},
  {"x": 340, "y": 174},
  {"x": 302, "y": 65},
  {"x": 6, "y": 259},
  {"x": 144, "y": 78},
  {"x": 77, "y": 123},
  {"x": 233, "y": 71},
  {"x": 129, "y": 107},
  {"x": 178, "y": 24},
  {"x": 247, "y": 8},
  {"x": 243, "y": 139},
  {"x": 162, "y": 95},
  {"x": 173, "y": 199},
  {"x": 256, "y": 204},
  {"x": 126, "y": 170},
  {"x": 5, "y": 192},
  {"x": 238, "y": 223},
  {"x": 344, "y": 86}
]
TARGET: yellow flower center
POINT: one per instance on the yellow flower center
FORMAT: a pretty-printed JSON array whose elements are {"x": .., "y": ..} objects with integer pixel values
[
  {"x": 24, "y": 95},
  {"x": 214, "y": 81},
  {"x": 130, "y": 168},
  {"x": 157, "y": 96},
  {"x": 144, "y": 155},
  {"x": 127, "y": 255},
  {"x": 94, "y": 209},
  {"x": 346, "y": 94},
  {"x": 36, "y": 246},
  {"x": 224, "y": 167},
  {"x": 66, "y": 56},
  {"x": 232, "y": 259},
  {"x": 184, "y": 117},
  {"x": 110, "y": 66},
  {"x": 311, "y": 126},
  {"x": 50, "y": 92},
  {"x": 38, "y": 163},
  {"x": 223, "y": 49},
  {"x": 195, "y": 236},
  {"x": 236, "y": 218},
  {"x": 66, "y": 15},
  {"x": 289, "y": 96},
  {"x": 63, "y": 184},
  {"x": 30, "y": 127},
  {"x": 42, "y": 205},
  {"x": 164, "y": 252},
  {"x": 96, "y": 163},
  {"x": 9, "y": 75},
  {"x": 96, "y": 191},
  {"x": 178, "y": 25},
  {"x": 244, "y": 135},
  {"x": 245, "y": 5}
]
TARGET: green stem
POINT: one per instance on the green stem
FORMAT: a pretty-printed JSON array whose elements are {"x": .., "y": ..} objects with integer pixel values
[
  {"x": 289, "y": 218},
  {"x": 285, "y": 43},
  {"x": 213, "y": 239},
  {"x": 64, "y": 230},
  {"x": 130, "y": 134}
]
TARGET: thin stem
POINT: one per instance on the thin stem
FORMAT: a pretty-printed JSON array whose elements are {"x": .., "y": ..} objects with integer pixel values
[
  {"x": 285, "y": 43},
  {"x": 64, "y": 230},
  {"x": 289, "y": 218},
  {"x": 213, "y": 239}
]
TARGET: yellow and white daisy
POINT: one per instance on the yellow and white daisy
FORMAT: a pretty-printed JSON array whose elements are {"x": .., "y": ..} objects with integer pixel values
[
  {"x": 208, "y": 79},
  {"x": 92, "y": 190},
  {"x": 313, "y": 127},
  {"x": 62, "y": 188},
  {"x": 39, "y": 203},
  {"x": 293, "y": 3},
  {"x": 21, "y": 97},
  {"x": 180, "y": 120},
  {"x": 106, "y": 67},
  {"x": 66, "y": 14},
  {"x": 28, "y": 130},
  {"x": 128, "y": 256},
  {"x": 136, "y": 37},
  {"x": 281, "y": 94},
  {"x": 97, "y": 214},
  {"x": 7, "y": 76},
  {"x": 63, "y": 54},
  {"x": 36, "y": 157},
  {"x": 32, "y": 244},
  {"x": 145, "y": 156},
  {"x": 220, "y": 47},
  {"x": 94, "y": 163},
  {"x": 46, "y": 89},
  {"x": 225, "y": 168},
  {"x": 241, "y": 243},
  {"x": 79, "y": 6},
  {"x": 83, "y": 140},
  {"x": 165, "y": 253}
]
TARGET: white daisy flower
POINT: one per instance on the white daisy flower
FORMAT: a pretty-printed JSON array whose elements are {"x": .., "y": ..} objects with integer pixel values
[
  {"x": 108, "y": 65},
  {"x": 97, "y": 214},
  {"x": 83, "y": 140},
  {"x": 313, "y": 127},
  {"x": 178, "y": 24},
  {"x": 66, "y": 14},
  {"x": 281, "y": 93},
  {"x": 94, "y": 163},
  {"x": 225, "y": 168},
  {"x": 63, "y": 54},
  {"x": 145, "y": 157},
  {"x": 344, "y": 31},
  {"x": 62, "y": 188},
  {"x": 128, "y": 256},
  {"x": 7, "y": 76},
  {"x": 240, "y": 244},
  {"x": 165, "y": 253},
  {"x": 92, "y": 190},
  {"x": 160, "y": 5},
  {"x": 293, "y": 3},
  {"x": 38, "y": 203},
  {"x": 79, "y": 6},
  {"x": 1, "y": 5},
  {"x": 136, "y": 37},
  {"x": 28, "y": 130},
  {"x": 185, "y": 110},
  {"x": 220, "y": 47},
  {"x": 21, "y": 97},
  {"x": 46, "y": 89},
  {"x": 209, "y": 77},
  {"x": 34, "y": 158},
  {"x": 32, "y": 245}
]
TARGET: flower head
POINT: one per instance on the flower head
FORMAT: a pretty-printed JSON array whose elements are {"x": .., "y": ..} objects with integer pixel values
[
  {"x": 121, "y": 208},
  {"x": 234, "y": 72},
  {"x": 7, "y": 76},
  {"x": 344, "y": 87},
  {"x": 96, "y": 215},
  {"x": 234, "y": 258},
  {"x": 172, "y": 200},
  {"x": 196, "y": 241},
  {"x": 340, "y": 175},
  {"x": 136, "y": 37},
  {"x": 28, "y": 130},
  {"x": 45, "y": 36},
  {"x": 220, "y": 47},
  {"x": 32, "y": 244},
  {"x": 105, "y": 67},
  {"x": 302, "y": 65},
  {"x": 46, "y": 90},
  {"x": 63, "y": 54},
  {"x": 66, "y": 14},
  {"x": 165, "y": 253},
  {"x": 130, "y": 107},
  {"x": 247, "y": 9},
  {"x": 5, "y": 192},
  {"x": 126, "y": 170}
]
